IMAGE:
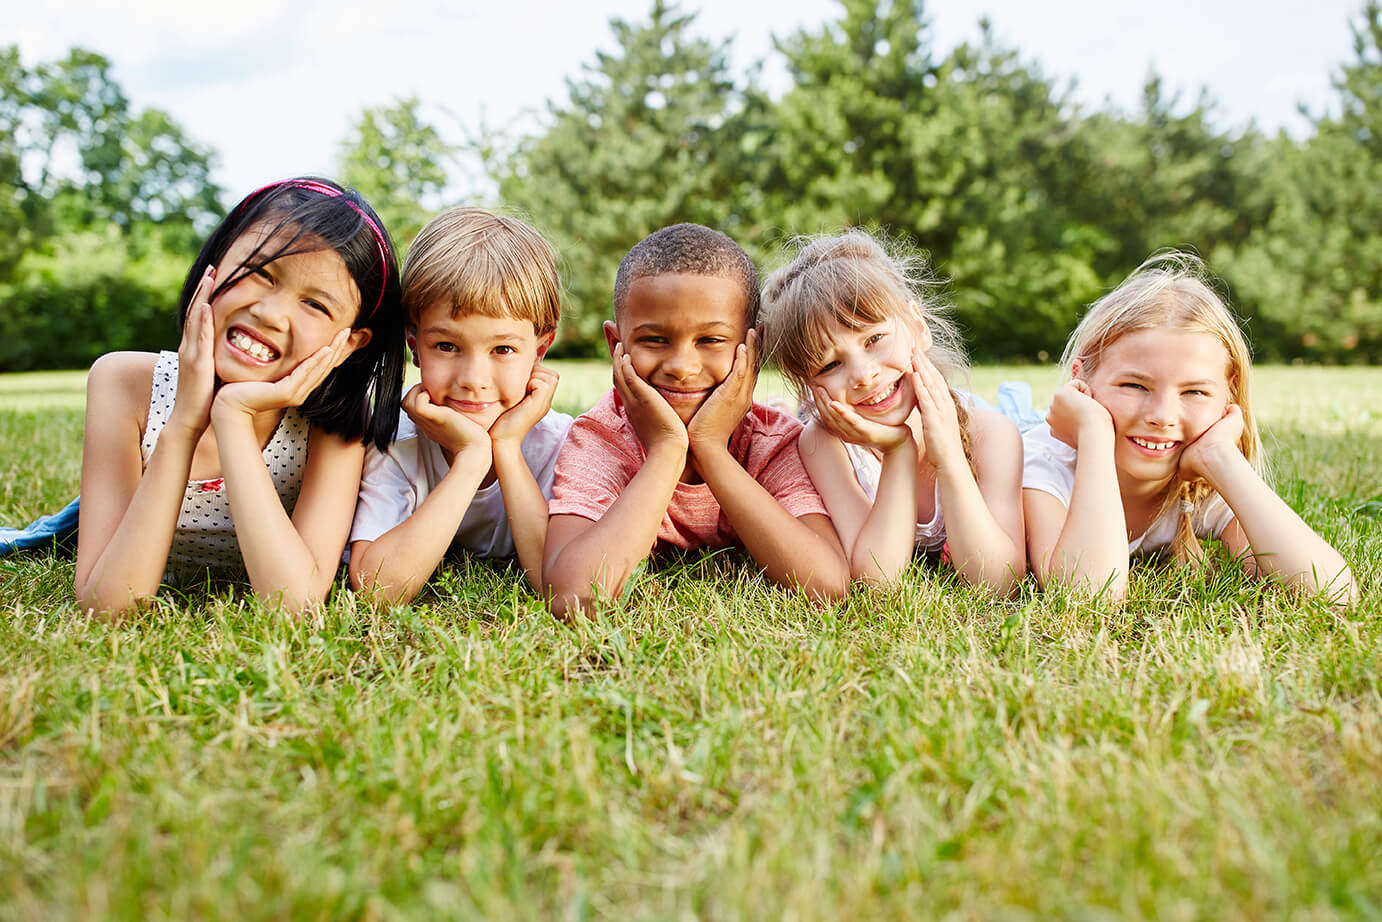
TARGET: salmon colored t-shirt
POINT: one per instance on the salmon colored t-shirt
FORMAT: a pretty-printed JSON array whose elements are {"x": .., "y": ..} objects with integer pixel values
[{"x": 602, "y": 453}]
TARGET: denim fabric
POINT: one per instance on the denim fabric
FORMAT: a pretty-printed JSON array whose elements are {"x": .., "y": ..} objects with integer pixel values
[{"x": 58, "y": 529}]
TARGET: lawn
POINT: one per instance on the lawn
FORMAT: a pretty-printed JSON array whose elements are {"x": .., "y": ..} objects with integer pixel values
[{"x": 712, "y": 747}]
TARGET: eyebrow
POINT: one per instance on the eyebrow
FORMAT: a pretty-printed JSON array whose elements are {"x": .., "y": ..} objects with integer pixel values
[
  {"x": 1140, "y": 376},
  {"x": 654, "y": 327}
]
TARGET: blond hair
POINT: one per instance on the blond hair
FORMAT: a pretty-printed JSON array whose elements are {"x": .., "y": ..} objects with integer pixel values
[
  {"x": 483, "y": 263},
  {"x": 1173, "y": 289},
  {"x": 855, "y": 280}
]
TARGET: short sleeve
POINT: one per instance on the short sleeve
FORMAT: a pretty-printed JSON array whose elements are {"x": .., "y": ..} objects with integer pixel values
[
  {"x": 1048, "y": 464},
  {"x": 774, "y": 460},
  {"x": 1212, "y": 517},
  {"x": 592, "y": 469},
  {"x": 388, "y": 494}
]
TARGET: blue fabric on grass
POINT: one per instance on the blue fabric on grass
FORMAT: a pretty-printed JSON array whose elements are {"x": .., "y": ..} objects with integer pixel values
[
  {"x": 1015, "y": 402},
  {"x": 47, "y": 531}
]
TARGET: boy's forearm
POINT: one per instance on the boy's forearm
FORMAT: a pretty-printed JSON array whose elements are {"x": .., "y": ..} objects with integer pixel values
[
  {"x": 606, "y": 554},
  {"x": 525, "y": 506},
  {"x": 1282, "y": 543},
  {"x": 1092, "y": 550},
  {"x": 790, "y": 552},
  {"x": 397, "y": 564}
]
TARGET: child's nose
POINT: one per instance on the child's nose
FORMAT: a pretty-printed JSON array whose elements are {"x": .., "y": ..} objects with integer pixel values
[
  {"x": 681, "y": 362},
  {"x": 862, "y": 372},
  {"x": 1159, "y": 409},
  {"x": 272, "y": 310}
]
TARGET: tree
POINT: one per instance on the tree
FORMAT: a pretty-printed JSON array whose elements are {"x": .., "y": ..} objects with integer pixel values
[
  {"x": 960, "y": 156},
  {"x": 644, "y": 139},
  {"x": 1313, "y": 273},
  {"x": 398, "y": 163}
]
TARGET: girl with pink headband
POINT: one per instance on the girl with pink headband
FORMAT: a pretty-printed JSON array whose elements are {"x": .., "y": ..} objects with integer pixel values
[{"x": 241, "y": 452}]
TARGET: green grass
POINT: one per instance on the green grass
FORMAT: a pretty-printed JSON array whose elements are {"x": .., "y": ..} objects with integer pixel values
[{"x": 710, "y": 748}]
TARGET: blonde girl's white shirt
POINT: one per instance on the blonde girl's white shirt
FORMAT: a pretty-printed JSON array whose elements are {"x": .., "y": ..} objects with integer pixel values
[
  {"x": 1048, "y": 465},
  {"x": 395, "y": 483}
]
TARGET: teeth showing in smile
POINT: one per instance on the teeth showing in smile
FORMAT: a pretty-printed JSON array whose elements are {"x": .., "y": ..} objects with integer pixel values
[
  {"x": 881, "y": 396},
  {"x": 246, "y": 343},
  {"x": 1154, "y": 446}
]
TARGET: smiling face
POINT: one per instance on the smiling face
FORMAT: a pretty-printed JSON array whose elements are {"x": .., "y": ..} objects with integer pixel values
[
  {"x": 274, "y": 317},
  {"x": 476, "y": 365},
  {"x": 1163, "y": 387},
  {"x": 681, "y": 332},
  {"x": 868, "y": 368}
]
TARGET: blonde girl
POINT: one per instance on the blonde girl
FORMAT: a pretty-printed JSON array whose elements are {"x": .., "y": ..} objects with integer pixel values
[
  {"x": 1152, "y": 445},
  {"x": 242, "y": 450},
  {"x": 902, "y": 462}
]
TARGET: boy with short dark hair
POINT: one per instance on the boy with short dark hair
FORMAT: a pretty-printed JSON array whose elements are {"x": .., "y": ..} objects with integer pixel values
[{"x": 677, "y": 453}]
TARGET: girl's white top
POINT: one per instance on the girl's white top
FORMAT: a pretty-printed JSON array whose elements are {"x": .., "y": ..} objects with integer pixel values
[
  {"x": 395, "y": 483},
  {"x": 205, "y": 535},
  {"x": 1048, "y": 465},
  {"x": 867, "y": 468}
]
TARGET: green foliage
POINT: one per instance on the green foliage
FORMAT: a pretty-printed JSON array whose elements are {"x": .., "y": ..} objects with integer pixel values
[
  {"x": 398, "y": 163},
  {"x": 86, "y": 294},
  {"x": 101, "y": 210},
  {"x": 1313, "y": 274},
  {"x": 640, "y": 142}
]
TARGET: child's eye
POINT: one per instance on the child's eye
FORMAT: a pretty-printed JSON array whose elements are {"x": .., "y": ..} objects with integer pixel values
[
  {"x": 652, "y": 340},
  {"x": 445, "y": 347},
  {"x": 712, "y": 340},
  {"x": 505, "y": 350},
  {"x": 317, "y": 306},
  {"x": 875, "y": 338},
  {"x": 262, "y": 273},
  {"x": 828, "y": 366},
  {"x": 1133, "y": 385}
]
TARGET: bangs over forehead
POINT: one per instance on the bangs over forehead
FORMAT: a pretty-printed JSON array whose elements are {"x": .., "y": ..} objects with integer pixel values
[
  {"x": 863, "y": 307},
  {"x": 479, "y": 262}
]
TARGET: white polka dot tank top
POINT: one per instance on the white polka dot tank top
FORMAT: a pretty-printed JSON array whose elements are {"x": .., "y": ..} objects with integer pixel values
[{"x": 205, "y": 536}]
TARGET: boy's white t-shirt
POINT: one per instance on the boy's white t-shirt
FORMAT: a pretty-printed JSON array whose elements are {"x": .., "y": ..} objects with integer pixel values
[
  {"x": 1048, "y": 465},
  {"x": 395, "y": 482}
]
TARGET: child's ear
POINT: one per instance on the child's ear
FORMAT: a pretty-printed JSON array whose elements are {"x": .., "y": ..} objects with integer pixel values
[
  {"x": 1077, "y": 368},
  {"x": 611, "y": 336},
  {"x": 359, "y": 339},
  {"x": 924, "y": 339},
  {"x": 544, "y": 343},
  {"x": 411, "y": 339}
]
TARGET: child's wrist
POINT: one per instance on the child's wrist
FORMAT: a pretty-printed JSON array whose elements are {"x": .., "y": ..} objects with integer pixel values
[{"x": 1218, "y": 461}]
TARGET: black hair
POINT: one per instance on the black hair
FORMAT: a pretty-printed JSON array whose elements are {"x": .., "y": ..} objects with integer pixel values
[
  {"x": 360, "y": 398},
  {"x": 688, "y": 249}
]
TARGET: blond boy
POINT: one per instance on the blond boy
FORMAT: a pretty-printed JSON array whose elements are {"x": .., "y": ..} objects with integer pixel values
[{"x": 471, "y": 468}]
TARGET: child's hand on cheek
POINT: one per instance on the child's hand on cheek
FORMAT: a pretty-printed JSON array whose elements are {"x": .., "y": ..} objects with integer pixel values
[
  {"x": 843, "y": 420},
  {"x": 518, "y": 420},
  {"x": 729, "y": 402},
  {"x": 940, "y": 421},
  {"x": 1075, "y": 412},
  {"x": 197, "y": 361},
  {"x": 652, "y": 417},
  {"x": 292, "y": 390},
  {"x": 1220, "y": 438},
  {"x": 452, "y": 430}
]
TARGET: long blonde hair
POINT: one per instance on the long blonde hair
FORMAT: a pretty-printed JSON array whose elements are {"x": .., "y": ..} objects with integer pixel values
[
  {"x": 1173, "y": 289},
  {"x": 855, "y": 280}
]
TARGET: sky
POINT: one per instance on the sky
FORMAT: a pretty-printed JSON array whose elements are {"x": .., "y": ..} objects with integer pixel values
[{"x": 273, "y": 86}]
